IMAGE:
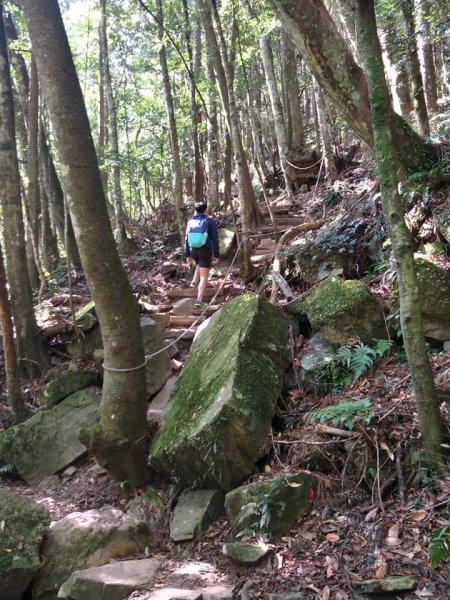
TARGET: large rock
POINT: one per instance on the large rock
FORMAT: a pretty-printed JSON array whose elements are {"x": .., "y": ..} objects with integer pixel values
[
  {"x": 246, "y": 554},
  {"x": 221, "y": 409},
  {"x": 84, "y": 540},
  {"x": 64, "y": 385},
  {"x": 48, "y": 441},
  {"x": 158, "y": 368},
  {"x": 434, "y": 294},
  {"x": 443, "y": 223},
  {"x": 226, "y": 239},
  {"x": 194, "y": 513},
  {"x": 23, "y": 523},
  {"x": 270, "y": 507},
  {"x": 115, "y": 581},
  {"x": 340, "y": 310}
]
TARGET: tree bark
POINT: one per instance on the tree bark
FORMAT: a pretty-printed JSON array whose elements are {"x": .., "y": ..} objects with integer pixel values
[
  {"x": 327, "y": 148},
  {"x": 173, "y": 133},
  {"x": 118, "y": 440},
  {"x": 15, "y": 397},
  {"x": 429, "y": 70},
  {"x": 329, "y": 59},
  {"x": 295, "y": 132},
  {"x": 49, "y": 245},
  {"x": 29, "y": 345},
  {"x": 410, "y": 313},
  {"x": 32, "y": 196},
  {"x": 121, "y": 232},
  {"x": 212, "y": 136},
  {"x": 275, "y": 103},
  {"x": 415, "y": 74}
]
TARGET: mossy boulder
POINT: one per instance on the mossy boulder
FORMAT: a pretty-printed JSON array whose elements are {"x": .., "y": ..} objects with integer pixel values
[
  {"x": 271, "y": 507},
  {"x": 48, "y": 441},
  {"x": 220, "y": 412},
  {"x": 85, "y": 317},
  {"x": 434, "y": 293},
  {"x": 246, "y": 554},
  {"x": 340, "y": 310},
  {"x": 443, "y": 223},
  {"x": 23, "y": 523},
  {"x": 195, "y": 512},
  {"x": 158, "y": 368},
  {"x": 88, "y": 539},
  {"x": 64, "y": 385},
  {"x": 226, "y": 239}
]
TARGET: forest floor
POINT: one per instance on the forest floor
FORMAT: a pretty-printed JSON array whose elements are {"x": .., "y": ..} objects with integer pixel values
[{"x": 362, "y": 526}]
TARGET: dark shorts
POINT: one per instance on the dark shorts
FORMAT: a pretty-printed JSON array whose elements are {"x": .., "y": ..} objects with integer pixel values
[{"x": 202, "y": 256}]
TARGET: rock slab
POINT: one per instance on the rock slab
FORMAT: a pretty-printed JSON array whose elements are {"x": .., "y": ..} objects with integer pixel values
[
  {"x": 115, "y": 581},
  {"x": 23, "y": 523},
  {"x": 158, "y": 368},
  {"x": 388, "y": 584},
  {"x": 246, "y": 554},
  {"x": 270, "y": 507},
  {"x": 48, "y": 442},
  {"x": 89, "y": 539},
  {"x": 194, "y": 513},
  {"x": 216, "y": 423},
  {"x": 65, "y": 385}
]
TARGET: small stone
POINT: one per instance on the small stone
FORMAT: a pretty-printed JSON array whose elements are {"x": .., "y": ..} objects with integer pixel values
[
  {"x": 389, "y": 584},
  {"x": 183, "y": 307},
  {"x": 69, "y": 472},
  {"x": 217, "y": 592},
  {"x": 446, "y": 346},
  {"x": 194, "y": 513},
  {"x": 246, "y": 554},
  {"x": 175, "y": 594},
  {"x": 49, "y": 483}
]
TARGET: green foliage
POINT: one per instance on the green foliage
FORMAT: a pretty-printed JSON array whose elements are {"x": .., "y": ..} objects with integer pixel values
[
  {"x": 343, "y": 413},
  {"x": 346, "y": 364},
  {"x": 264, "y": 507},
  {"x": 439, "y": 547},
  {"x": 332, "y": 198}
]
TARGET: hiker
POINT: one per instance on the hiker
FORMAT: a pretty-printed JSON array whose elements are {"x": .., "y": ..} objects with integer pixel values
[{"x": 202, "y": 241}]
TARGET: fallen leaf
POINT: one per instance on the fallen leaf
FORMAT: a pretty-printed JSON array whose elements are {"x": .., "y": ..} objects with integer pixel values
[
  {"x": 419, "y": 515},
  {"x": 371, "y": 515},
  {"x": 388, "y": 450},
  {"x": 326, "y": 594},
  {"x": 424, "y": 594},
  {"x": 2, "y": 525},
  {"x": 332, "y": 537},
  {"x": 381, "y": 571},
  {"x": 392, "y": 538}
]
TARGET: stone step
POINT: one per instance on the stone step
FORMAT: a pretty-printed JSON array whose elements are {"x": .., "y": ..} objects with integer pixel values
[
  {"x": 185, "y": 321},
  {"x": 192, "y": 292},
  {"x": 208, "y": 311},
  {"x": 173, "y": 333}
]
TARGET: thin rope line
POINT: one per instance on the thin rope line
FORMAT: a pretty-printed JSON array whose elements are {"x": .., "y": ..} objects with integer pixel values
[
  {"x": 304, "y": 168},
  {"x": 149, "y": 356}
]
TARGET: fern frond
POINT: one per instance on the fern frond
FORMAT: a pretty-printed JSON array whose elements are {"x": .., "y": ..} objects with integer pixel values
[{"x": 439, "y": 547}]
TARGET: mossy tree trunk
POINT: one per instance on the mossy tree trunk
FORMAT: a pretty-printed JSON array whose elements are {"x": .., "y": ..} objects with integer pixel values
[
  {"x": 327, "y": 148},
  {"x": 431, "y": 91},
  {"x": 415, "y": 74},
  {"x": 30, "y": 349},
  {"x": 32, "y": 195},
  {"x": 15, "y": 397},
  {"x": 294, "y": 116},
  {"x": 330, "y": 60},
  {"x": 173, "y": 132},
  {"x": 410, "y": 313},
  {"x": 118, "y": 440},
  {"x": 213, "y": 154},
  {"x": 277, "y": 113}
]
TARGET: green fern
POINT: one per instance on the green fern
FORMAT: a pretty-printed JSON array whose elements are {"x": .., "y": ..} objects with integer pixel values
[
  {"x": 383, "y": 347},
  {"x": 439, "y": 547},
  {"x": 343, "y": 413}
]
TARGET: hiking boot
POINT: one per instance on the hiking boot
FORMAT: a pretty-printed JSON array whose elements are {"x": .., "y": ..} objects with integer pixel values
[
  {"x": 193, "y": 284},
  {"x": 200, "y": 304}
]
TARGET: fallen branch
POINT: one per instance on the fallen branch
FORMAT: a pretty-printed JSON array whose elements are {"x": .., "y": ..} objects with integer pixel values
[{"x": 334, "y": 431}]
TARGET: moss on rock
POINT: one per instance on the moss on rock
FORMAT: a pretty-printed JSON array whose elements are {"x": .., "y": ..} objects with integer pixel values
[
  {"x": 221, "y": 409},
  {"x": 23, "y": 523},
  {"x": 340, "y": 310},
  {"x": 64, "y": 385},
  {"x": 434, "y": 288}
]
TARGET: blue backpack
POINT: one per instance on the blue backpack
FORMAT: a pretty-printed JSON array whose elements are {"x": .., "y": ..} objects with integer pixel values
[{"x": 197, "y": 232}]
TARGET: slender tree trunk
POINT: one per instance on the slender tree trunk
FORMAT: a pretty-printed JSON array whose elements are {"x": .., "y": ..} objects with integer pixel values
[
  {"x": 49, "y": 244},
  {"x": 329, "y": 59},
  {"x": 420, "y": 107},
  {"x": 315, "y": 112},
  {"x": 294, "y": 110},
  {"x": 30, "y": 349},
  {"x": 400, "y": 73},
  {"x": 121, "y": 232},
  {"x": 173, "y": 133},
  {"x": 410, "y": 314},
  {"x": 348, "y": 19},
  {"x": 9, "y": 349},
  {"x": 256, "y": 133},
  {"x": 275, "y": 102},
  {"x": 32, "y": 197},
  {"x": 118, "y": 439},
  {"x": 102, "y": 112},
  {"x": 213, "y": 136},
  {"x": 429, "y": 71},
  {"x": 327, "y": 148}
]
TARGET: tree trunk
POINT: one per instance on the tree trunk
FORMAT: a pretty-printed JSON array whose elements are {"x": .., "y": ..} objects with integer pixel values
[
  {"x": 429, "y": 70},
  {"x": 327, "y": 148},
  {"x": 121, "y": 233},
  {"x": 329, "y": 59},
  {"x": 102, "y": 112},
  {"x": 213, "y": 136},
  {"x": 49, "y": 246},
  {"x": 420, "y": 107},
  {"x": 173, "y": 133},
  {"x": 295, "y": 136},
  {"x": 275, "y": 103},
  {"x": 410, "y": 313},
  {"x": 348, "y": 19},
  {"x": 32, "y": 197},
  {"x": 15, "y": 397},
  {"x": 118, "y": 440},
  {"x": 400, "y": 79},
  {"x": 29, "y": 345}
]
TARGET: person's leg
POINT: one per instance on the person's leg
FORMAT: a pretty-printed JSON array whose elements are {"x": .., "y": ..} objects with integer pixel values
[
  {"x": 196, "y": 277},
  {"x": 204, "y": 274}
]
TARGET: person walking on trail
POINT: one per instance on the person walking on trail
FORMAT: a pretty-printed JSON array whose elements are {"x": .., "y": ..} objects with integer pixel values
[{"x": 201, "y": 244}]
